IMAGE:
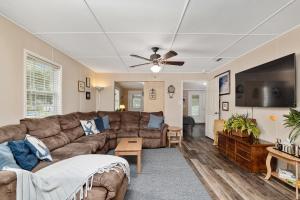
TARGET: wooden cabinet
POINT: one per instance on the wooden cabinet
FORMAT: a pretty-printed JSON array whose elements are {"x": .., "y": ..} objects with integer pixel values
[{"x": 247, "y": 153}]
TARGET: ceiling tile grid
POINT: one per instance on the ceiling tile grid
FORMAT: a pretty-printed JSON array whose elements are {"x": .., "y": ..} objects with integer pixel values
[{"x": 102, "y": 34}]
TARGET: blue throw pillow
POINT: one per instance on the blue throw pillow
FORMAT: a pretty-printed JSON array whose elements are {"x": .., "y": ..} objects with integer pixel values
[
  {"x": 105, "y": 120},
  {"x": 23, "y": 155},
  {"x": 38, "y": 147},
  {"x": 155, "y": 121},
  {"x": 7, "y": 159},
  {"x": 99, "y": 124}
]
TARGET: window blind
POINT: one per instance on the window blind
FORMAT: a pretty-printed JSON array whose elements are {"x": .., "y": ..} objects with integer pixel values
[{"x": 43, "y": 87}]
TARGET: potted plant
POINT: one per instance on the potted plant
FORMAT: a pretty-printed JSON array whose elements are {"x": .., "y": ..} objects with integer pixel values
[
  {"x": 292, "y": 120},
  {"x": 242, "y": 126}
]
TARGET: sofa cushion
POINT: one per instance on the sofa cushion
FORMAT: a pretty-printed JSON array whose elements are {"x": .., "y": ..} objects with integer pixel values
[
  {"x": 42, "y": 128},
  {"x": 96, "y": 141},
  {"x": 130, "y": 121},
  {"x": 56, "y": 141},
  {"x": 150, "y": 133},
  {"x": 145, "y": 117},
  {"x": 23, "y": 155},
  {"x": 127, "y": 133},
  {"x": 86, "y": 115},
  {"x": 43, "y": 164},
  {"x": 12, "y": 132},
  {"x": 69, "y": 121},
  {"x": 71, "y": 150},
  {"x": 74, "y": 133},
  {"x": 111, "y": 134}
]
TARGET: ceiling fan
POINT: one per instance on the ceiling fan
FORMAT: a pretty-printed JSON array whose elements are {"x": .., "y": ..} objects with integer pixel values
[{"x": 158, "y": 60}]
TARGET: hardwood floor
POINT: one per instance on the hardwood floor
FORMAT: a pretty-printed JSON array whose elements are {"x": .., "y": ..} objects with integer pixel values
[{"x": 224, "y": 180}]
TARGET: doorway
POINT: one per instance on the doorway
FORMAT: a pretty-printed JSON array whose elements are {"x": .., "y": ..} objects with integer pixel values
[{"x": 194, "y": 108}]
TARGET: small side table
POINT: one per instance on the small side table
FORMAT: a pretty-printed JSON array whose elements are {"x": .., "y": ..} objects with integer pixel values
[{"x": 174, "y": 135}]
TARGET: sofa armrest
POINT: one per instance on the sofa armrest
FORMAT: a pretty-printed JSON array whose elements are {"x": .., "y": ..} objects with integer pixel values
[{"x": 7, "y": 177}]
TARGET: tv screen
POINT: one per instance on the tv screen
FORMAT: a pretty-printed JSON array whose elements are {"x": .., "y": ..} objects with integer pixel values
[{"x": 272, "y": 84}]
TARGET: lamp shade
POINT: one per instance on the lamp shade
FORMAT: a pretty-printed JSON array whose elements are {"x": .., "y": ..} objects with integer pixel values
[{"x": 122, "y": 106}]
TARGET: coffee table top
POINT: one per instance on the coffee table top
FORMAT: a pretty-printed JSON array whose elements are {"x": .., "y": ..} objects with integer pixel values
[{"x": 130, "y": 144}]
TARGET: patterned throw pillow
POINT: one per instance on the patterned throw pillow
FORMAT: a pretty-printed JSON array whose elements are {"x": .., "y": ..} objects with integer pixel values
[
  {"x": 89, "y": 127},
  {"x": 7, "y": 159},
  {"x": 38, "y": 148}
]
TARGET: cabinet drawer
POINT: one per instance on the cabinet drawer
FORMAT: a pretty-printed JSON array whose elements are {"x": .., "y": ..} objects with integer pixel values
[
  {"x": 243, "y": 147},
  {"x": 244, "y": 163},
  {"x": 244, "y": 154}
]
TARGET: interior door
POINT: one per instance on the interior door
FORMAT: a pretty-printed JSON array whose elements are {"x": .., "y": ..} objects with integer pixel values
[
  {"x": 212, "y": 105},
  {"x": 196, "y": 107}
]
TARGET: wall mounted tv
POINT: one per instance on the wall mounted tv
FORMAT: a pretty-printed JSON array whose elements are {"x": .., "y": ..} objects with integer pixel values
[{"x": 272, "y": 84}]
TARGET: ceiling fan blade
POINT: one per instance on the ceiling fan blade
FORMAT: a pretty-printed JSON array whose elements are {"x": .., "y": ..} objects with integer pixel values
[
  {"x": 179, "y": 63},
  {"x": 168, "y": 55},
  {"x": 141, "y": 57},
  {"x": 140, "y": 65}
]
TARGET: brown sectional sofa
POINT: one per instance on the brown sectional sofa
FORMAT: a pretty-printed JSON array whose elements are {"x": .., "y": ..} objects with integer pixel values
[{"x": 65, "y": 138}]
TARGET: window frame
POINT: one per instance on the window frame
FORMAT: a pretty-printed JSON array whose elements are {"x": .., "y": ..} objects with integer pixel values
[{"x": 26, "y": 53}]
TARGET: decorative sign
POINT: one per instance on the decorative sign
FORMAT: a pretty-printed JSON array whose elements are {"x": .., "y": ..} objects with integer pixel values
[
  {"x": 81, "y": 86},
  {"x": 152, "y": 94}
]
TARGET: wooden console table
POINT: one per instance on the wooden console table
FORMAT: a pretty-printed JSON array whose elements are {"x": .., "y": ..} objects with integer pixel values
[
  {"x": 248, "y": 153},
  {"x": 287, "y": 158}
]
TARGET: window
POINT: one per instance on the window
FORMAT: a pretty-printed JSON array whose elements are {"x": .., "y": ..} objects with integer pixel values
[
  {"x": 43, "y": 87},
  {"x": 136, "y": 101},
  {"x": 195, "y": 105},
  {"x": 117, "y": 99}
]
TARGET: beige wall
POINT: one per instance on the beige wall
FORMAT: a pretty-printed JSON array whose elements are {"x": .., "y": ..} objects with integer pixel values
[
  {"x": 286, "y": 44},
  {"x": 13, "y": 41},
  {"x": 157, "y": 104},
  {"x": 172, "y": 106}
]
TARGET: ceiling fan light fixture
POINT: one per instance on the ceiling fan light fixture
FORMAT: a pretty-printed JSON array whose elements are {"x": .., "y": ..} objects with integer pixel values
[{"x": 155, "y": 68}]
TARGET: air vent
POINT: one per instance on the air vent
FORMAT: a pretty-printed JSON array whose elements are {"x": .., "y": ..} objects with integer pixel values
[{"x": 218, "y": 59}]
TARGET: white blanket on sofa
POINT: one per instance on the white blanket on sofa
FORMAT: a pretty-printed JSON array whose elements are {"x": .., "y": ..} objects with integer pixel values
[{"x": 64, "y": 179}]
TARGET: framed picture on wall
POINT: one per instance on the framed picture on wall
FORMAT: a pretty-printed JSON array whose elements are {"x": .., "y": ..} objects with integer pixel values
[
  {"x": 225, "y": 106},
  {"x": 88, "y": 95},
  {"x": 88, "y": 82},
  {"x": 224, "y": 83},
  {"x": 81, "y": 86}
]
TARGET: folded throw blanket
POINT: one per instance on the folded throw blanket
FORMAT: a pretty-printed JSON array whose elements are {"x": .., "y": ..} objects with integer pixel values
[{"x": 65, "y": 179}]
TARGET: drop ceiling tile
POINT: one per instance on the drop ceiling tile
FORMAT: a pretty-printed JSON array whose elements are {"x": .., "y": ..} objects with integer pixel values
[
  {"x": 202, "y": 45},
  {"x": 138, "y": 15},
  {"x": 234, "y": 16},
  {"x": 104, "y": 64},
  {"x": 283, "y": 21},
  {"x": 246, "y": 45},
  {"x": 81, "y": 45},
  {"x": 141, "y": 43},
  {"x": 50, "y": 16}
]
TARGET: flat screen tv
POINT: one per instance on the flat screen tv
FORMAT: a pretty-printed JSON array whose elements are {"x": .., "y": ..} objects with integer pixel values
[{"x": 272, "y": 84}]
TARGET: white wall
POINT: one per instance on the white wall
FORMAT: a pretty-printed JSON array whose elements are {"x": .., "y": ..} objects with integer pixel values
[
  {"x": 13, "y": 41},
  {"x": 172, "y": 106},
  {"x": 283, "y": 45}
]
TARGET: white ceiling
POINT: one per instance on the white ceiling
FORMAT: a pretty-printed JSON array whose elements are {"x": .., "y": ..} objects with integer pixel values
[{"x": 103, "y": 33}]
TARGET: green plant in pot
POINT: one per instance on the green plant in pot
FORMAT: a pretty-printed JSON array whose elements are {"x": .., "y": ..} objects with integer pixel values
[
  {"x": 292, "y": 120},
  {"x": 242, "y": 126}
]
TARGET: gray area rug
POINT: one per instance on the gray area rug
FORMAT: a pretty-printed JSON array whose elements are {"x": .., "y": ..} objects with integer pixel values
[{"x": 165, "y": 176}]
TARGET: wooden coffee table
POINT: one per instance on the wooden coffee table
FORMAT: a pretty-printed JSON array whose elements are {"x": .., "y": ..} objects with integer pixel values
[{"x": 131, "y": 147}]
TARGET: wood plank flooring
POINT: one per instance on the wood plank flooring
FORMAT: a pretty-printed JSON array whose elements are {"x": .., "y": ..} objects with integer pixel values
[{"x": 224, "y": 180}]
